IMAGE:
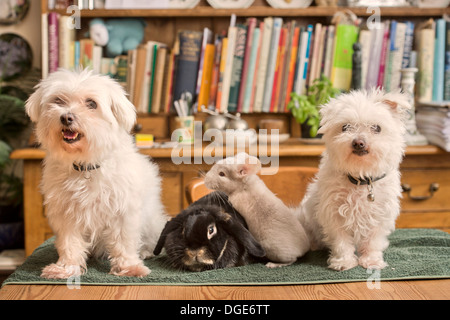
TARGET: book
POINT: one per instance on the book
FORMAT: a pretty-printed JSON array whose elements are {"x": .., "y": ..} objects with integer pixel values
[
  {"x": 394, "y": 62},
  {"x": 303, "y": 58},
  {"x": 229, "y": 59},
  {"x": 236, "y": 71},
  {"x": 158, "y": 81},
  {"x": 383, "y": 54},
  {"x": 206, "y": 39},
  {"x": 97, "y": 53},
  {"x": 215, "y": 75},
  {"x": 408, "y": 46},
  {"x": 291, "y": 66},
  {"x": 250, "y": 80},
  {"x": 251, "y": 25},
  {"x": 341, "y": 74},
  {"x": 365, "y": 39},
  {"x": 277, "y": 71},
  {"x": 141, "y": 57},
  {"x": 87, "y": 53},
  {"x": 45, "y": 47},
  {"x": 187, "y": 64},
  {"x": 329, "y": 49},
  {"x": 53, "y": 42},
  {"x": 131, "y": 73},
  {"x": 425, "y": 46},
  {"x": 66, "y": 38},
  {"x": 447, "y": 63},
  {"x": 262, "y": 66},
  {"x": 223, "y": 59},
  {"x": 205, "y": 87},
  {"x": 271, "y": 63},
  {"x": 374, "y": 57},
  {"x": 439, "y": 61},
  {"x": 315, "y": 51},
  {"x": 257, "y": 67}
]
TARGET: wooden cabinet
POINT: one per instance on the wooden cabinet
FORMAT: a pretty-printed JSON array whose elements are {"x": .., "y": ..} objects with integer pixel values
[{"x": 421, "y": 167}]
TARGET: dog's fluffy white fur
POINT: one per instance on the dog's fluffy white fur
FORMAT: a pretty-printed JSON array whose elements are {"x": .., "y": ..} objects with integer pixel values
[
  {"x": 363, "y": 133},
  {"x": 111, "y": 206}
]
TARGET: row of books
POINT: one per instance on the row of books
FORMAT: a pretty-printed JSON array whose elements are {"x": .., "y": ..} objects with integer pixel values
[
  {"x": 255, "y": 65},
  {"x": 433, "y": 45}
]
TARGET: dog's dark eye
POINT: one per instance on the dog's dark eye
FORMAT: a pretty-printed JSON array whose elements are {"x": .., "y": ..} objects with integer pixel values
[
  {"x": 375, "y": 128},
  {"x": 346, "y": 127},
  {"x": 59, "y": 101},
  {"x": 222, "y": 174},
  {"x": 91, "y": 104}
]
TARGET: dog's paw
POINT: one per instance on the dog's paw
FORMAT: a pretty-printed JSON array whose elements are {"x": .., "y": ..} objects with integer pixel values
[
  {"x": 138, "y": 270},
  {"x": 56, "y": 271},
  {"x": 372, "y": 262},
  {"x": 342, "y": 263},
  {"x": 278, "y": 265}
]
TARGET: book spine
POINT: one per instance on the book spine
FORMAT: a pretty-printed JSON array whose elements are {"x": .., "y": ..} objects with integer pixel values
[
  {"x": 251, "y": 25},
  {"x": 303, "y": 60},
  {"x": 205, "y": 87},
  {"x": 187, "y": 64},
  {"x": 447, "y": 63},
  {"x": 374, "y": 58},
  {"x": 223, "y": 61},
  {"x": 278, "y": 70},
  {"x": 154, "y": 48},
  {"x": 262, "y": 66},
  {"x": 407, "y": 48},
  {"x": 384, "y": 54},
  {"x": 53, "y": 42},
  {"x": 236, "y": 73},
  {"x": 158, "y": 82},
  {"x": 291, "y": 67},
  {"x": 426, "y": 58},
  {"x": 397, "y": 56},
  {"x": 44, "y": 44},
  {"x": 438, "y": 69},
  {"x": 225, "y": 93},
  {"x": 271, "y": 64},
  {"x": 249, "y": 87},
  {"x": 215, "y": 76}
]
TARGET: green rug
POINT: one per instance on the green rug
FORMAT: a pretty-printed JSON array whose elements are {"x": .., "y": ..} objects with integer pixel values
[{"x": 412, "y": 254}]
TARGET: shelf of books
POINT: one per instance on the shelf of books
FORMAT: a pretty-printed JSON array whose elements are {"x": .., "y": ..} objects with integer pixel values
[{"x": 254, "y": 64}]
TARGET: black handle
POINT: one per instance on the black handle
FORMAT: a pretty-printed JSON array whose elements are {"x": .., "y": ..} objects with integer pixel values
[{"x": 433, "y": 188}]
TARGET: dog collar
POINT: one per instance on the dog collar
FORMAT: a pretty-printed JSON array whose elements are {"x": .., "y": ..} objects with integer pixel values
[
  {"x": 366, "y": 181},
  {"x": 85, "y": 169}
]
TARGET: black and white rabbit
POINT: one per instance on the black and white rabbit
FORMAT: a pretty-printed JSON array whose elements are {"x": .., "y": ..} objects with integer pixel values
[{"x": 209, "y": 234}]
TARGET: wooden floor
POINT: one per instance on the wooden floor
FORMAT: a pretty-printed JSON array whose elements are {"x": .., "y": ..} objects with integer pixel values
[{"x": 389, "y": 290}]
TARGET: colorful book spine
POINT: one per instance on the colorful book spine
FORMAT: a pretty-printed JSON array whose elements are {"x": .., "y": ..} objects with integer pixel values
[
  {"x": 205, "y": 87},
  {"x": 407, "y": 48},
  {"x": 53, "y": 42},
  {"x": 439, "y": 60},
  {"x": 187, "y": 64},
  {"x": 384, "y": 54},
  {"x": 305, "y": 45},
  {"x": 271, "y": 64},
  {"x": 291, "y": 66},
  {"x": 447, "y": 63},
  {"x": 223, "y": 60},
  {"x": 238, "y": 59},
  {"x": 225, "y": 93},
  {"x": 426, "y": 58},
  {"x": 249, "y": 87}
]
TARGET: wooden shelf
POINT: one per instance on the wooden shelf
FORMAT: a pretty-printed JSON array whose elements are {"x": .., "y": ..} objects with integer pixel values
[{"x": 260, "y": 11}]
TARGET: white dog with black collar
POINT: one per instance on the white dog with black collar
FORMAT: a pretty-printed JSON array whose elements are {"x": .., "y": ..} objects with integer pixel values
[
  {"x": 352, "y": 205},
  {"x": 102, "y": 197}
]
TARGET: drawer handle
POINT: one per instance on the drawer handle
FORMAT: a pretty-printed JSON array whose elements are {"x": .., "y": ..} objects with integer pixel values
[{"x": 433, "y": 188}]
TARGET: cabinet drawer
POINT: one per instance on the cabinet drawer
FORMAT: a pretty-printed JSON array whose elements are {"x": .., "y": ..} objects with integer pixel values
[{"x": 419, "y": 198}]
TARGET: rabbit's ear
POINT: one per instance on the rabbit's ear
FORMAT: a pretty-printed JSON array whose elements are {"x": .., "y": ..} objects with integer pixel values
[
  {"x": 242, "y": 235},
  {"x": 170, "y": 226}
]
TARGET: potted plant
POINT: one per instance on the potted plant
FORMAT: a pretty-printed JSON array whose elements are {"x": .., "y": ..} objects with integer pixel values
[
  {"x": 305, "y": 108},
  {"x": 13, "y": 121}
]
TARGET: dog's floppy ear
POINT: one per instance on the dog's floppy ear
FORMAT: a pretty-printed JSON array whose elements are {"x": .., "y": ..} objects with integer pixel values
[
  {"x": 397, "y": 103},
  {"x": 123, "y": 110},
  {"x": 33, "y": 105}
]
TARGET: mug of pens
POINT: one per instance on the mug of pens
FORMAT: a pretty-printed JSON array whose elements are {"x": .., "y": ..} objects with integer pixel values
[{"x": 184, "y": 124}]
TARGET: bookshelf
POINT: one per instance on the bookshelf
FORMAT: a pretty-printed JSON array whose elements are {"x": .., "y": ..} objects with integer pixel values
[{"x": 164, "y": 24}]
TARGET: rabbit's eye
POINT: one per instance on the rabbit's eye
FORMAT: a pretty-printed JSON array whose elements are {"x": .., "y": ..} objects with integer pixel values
[
  {"x": 222, "y": 174},
  {"x": 212, "y": 230}
]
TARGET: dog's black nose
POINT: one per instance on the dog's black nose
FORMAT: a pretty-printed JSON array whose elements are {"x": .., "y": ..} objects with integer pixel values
[
  {"x": 67, "y": 119},
  {"x": 358, "y": 144}
]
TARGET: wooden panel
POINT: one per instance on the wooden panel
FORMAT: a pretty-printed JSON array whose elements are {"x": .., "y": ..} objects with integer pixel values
[
  {"x": 157, "y": 125},
  {"x": 420, "y": 181},
  {"x": 435, "y": 220},
  {"x": 172, "y": 197}
]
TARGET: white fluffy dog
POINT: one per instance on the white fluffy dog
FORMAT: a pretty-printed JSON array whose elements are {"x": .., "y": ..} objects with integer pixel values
[
  {"x": 354, "y": 201},
  {"x": 102, "y": 196}
]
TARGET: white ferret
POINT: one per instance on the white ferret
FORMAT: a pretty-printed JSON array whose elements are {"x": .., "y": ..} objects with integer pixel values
[{"x": 269, "y": 220}]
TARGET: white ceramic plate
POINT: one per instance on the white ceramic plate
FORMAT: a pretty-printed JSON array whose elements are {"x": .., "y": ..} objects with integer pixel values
[
  {"x": 284, "y": 4},
  {"x": 230, "y": 4},
  {"x": 183, "y": 4},
  {"x": 267, "y": 138}
]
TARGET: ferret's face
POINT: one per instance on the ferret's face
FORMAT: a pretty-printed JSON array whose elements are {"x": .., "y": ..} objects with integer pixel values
[
  {"x": 79, "y": 115},
  {"x": 363, "y": 137}
]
